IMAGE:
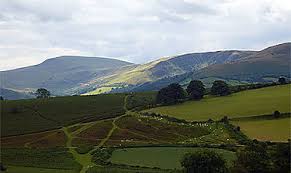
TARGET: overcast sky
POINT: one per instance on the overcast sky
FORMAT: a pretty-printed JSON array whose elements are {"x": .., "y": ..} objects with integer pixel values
[{"x": 136, "y": 30}]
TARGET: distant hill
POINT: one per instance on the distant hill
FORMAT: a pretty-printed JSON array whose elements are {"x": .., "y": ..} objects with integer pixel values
[
  {"x": 68, "y": 75},
  {"x": 61, "y": 75}
]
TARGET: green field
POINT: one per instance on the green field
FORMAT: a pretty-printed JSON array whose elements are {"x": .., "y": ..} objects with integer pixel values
[
  {"x": 161, "y": 157},
  {"x": 266, "y": 130},
  {"x": 245, "y": 103},
  {"x": 27, "y": 116}
]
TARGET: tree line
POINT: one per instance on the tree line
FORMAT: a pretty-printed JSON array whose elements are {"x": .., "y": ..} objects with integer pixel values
[{"x": 174, "y": 93}]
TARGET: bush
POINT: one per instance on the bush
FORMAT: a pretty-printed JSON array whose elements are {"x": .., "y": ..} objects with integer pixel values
[
  {"x": 204, "y": 161},
  {"x": 277, "y": 114}
]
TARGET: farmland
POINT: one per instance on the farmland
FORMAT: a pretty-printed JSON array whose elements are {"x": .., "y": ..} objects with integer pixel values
[
  {"x": 111, "y": 133},
  {"x": 245, "y": 103},
  {"x": 266, "y": 130}
]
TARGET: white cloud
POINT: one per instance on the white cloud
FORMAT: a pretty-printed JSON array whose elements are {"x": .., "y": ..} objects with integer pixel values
[{"x": 135, "y": 30}]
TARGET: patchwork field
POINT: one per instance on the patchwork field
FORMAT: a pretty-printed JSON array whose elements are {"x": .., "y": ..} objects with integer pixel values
[
  {"x": 245, "y": 103},
  {"x": 161, "y": 157},
  {"x": 266, "y": 130}
]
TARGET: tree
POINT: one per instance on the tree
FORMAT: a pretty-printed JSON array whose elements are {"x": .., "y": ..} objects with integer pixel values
[
  {"x": 42, "y": 93},
  {"x": 204, "y": 161},
  {"x": 282, "y": 80},
  {"x": 277, "y": 114},
  {"x": 195, "y": 90},
  {"x": 1, "y": 98},
  {"x": 171, "y": 94},
  {"x": 220, "y": 88},
  {"x": 254, "y": 159}
]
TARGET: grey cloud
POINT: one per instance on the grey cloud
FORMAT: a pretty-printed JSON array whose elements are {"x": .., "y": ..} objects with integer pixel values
[{"x": 134, "y": 30}]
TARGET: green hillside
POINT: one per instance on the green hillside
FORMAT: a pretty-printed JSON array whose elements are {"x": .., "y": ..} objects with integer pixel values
[
  {"x": 245, "y": 103},
  {"x": 27, "y": 116}
]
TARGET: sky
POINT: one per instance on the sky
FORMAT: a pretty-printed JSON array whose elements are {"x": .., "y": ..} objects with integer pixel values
[{"x": 138, "y": 31}]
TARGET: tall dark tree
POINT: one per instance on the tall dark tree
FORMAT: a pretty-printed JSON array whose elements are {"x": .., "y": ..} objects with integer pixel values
[
  {"x": 1, "y": 98},
  {"x": 204, "y": 161},
  {"x": 171, "y": 94},
  {"x": 220, "y": 88},
  {"x": 282, "y": 80},
  {"x": 195, "y": 90},
  {"x": 42, "y": 93}
]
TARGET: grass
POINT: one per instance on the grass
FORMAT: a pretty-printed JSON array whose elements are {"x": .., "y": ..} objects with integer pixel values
[
  {"x": 266, "y": 130},
  {"x": 34, "y": 115},
  {"x": 54, "y": 158},
  {"x": 22, "y": 169},
  {"x": 161, "y": 157},
  {"x": 245, "y": 103}
]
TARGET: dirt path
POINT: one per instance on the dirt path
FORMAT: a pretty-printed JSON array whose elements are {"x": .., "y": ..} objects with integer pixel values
[
  {"x": 85, "y": 160},
  {"x": 114, "y": 126}
]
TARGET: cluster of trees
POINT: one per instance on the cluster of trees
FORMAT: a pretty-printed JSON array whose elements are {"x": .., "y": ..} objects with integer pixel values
[
  {"x": 254, "y": 158},
  {"x": 174, "y": 93}
]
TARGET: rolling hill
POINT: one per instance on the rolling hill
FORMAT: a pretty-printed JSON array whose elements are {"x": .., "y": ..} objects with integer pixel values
[
  {"x": 61, "y": 75},
  {"x": 68, "y": 75}
]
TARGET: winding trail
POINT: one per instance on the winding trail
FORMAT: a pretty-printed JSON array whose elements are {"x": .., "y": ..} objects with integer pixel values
[{"x": 85, "y": 160}]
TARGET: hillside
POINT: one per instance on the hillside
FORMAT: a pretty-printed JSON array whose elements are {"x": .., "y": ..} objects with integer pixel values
[
  {"x": 61, "y": 75},
  {"x": 173, "y": 66},
  {"x": 272, "y": 61},
  {"x": 262, "y": 66}
]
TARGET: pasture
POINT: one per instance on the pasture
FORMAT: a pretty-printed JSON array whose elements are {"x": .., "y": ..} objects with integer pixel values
[
  {"x": 266, "y": 130},
  {"x": 245, "y": 103},
  {"x": 161, "y": 157}
]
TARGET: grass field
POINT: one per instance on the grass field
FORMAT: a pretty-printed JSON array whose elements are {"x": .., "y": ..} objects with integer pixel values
[
  {"x": 27, "y": 116},
  {"x": 161, "y": 157},
  {"x": 266, "y": 130},
  {"x": 245, "y": 103}
]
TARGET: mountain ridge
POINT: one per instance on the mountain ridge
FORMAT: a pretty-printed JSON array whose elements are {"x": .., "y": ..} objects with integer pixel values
[{"x": 68, "y": 75}]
